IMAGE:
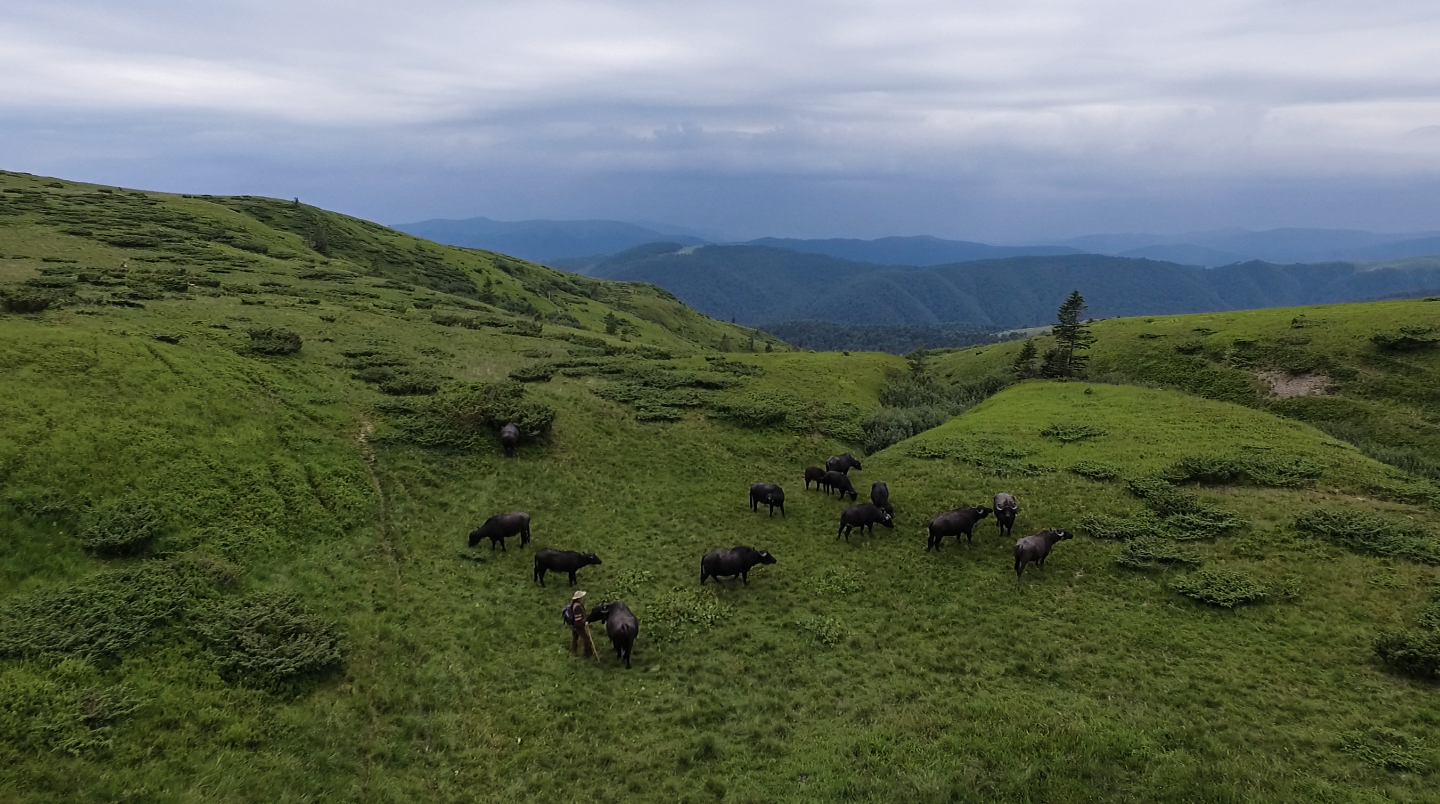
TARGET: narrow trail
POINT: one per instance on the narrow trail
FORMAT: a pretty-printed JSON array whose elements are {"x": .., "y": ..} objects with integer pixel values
[{"x": 367, "y": 454}]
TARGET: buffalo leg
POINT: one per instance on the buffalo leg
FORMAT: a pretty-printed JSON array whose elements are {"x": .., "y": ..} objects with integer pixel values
[
  {"x": 540, "y": 575},
  {"x": 572, "y": 579},
  {"x": 1019, "y": 567}
]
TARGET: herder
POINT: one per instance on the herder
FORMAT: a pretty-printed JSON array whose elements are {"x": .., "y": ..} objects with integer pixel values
[{"x": 579, "y": 629}]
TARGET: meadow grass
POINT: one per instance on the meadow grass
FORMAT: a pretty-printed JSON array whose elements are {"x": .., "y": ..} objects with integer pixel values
[{"x": 861, "y": 671}]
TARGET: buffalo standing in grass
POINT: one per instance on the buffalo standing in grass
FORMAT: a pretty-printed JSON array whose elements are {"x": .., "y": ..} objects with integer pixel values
[
  {"x": 880, "y": 495},
  {"x": 620, "y": 625},
  {"x": 842, "y": 463},
  {"x": 566, "y": 561},
  {"x": 814, "y": 474},
  {"x": 954, "y": 523},
  {"x": 863, "y": 517},
  {"x": 1005, "y": 510},
  {"x": 767, "y": 494},
  {"x": 510, "y": 439},
  {"x": 1036, "y": 548},
  {"x": 736, "y": 561},
  {"x": 838, "y": 481},
  {"x": 500, "y": 527}
]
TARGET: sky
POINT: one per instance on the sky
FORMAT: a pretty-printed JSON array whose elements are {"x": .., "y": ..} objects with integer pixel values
[{"x": 1010, "y": 122}]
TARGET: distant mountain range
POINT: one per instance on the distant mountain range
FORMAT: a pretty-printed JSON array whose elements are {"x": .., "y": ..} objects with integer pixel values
[
  {"x": 576, "y": 245},
  {"x": 758, "y": 285}
]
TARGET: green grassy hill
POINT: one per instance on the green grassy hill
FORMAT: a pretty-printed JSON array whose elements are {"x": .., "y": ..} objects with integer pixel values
[{"x": 238, "y": 574}]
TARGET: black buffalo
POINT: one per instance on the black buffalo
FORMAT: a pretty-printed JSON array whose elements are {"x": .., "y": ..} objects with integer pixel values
[
  {"x": 620, "y": 625},
  {"x": 549, "y": 560},
  {"x": 767, "y": 494},
  {"x": 880, "y": 495},
  {"x": 1005, "y": 510},
  {"x": 1036, "y": 548},
  {"x": 509, "y": 439},
  {"x": 842, "y": 463},
  {"x": 500, "y": 527},
  {"x": 954, "y": 523},
  {"x": 736, "y": 561},
  {"x": 839, "y": 481},
  {"x": 813, "y": 473},
  {"x": 863, "y": 517}
]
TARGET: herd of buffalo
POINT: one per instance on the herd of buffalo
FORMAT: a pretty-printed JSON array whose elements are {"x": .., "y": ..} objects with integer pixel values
[{"x": 620, "y": 623}]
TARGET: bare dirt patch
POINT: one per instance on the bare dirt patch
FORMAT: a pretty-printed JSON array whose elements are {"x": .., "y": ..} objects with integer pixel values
[{"x": 1284, "y": 385}]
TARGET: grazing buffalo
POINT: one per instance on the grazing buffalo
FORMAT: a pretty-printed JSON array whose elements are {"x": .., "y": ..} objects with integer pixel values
[
  {"x": 863, "y": 517},
  {"x": 813, "y": 473},
  {"x": 842, "y": 463},
  {"x": 880, "y": 495},
  {"x": 767, "y": 494},
  {"x": 509, "y": 439},
  {"x": 954, "y": 523},
  {"x": 620, "y": 625},
  {"x": 736, "y": 561},
  {"x": 839, "y": 481},
  {"x": 500, "y": 527},
  {"x": 549, "y": 560},
  {"x": 1005, "y": 510},
  {"x": 1037, "y": 547}
]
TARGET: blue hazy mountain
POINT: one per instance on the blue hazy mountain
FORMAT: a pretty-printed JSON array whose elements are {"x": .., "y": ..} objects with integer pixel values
[
  {"x": 1223, "y": 246},
  {"x": 919, "y": 250}
]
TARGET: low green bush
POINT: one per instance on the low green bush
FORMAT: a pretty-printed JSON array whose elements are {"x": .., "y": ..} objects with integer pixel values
[
  {"x": 466, "y": 416},
  {"x": 1220, "y": 587},
  {"x": 411, "y": 383},
  {"x": 120, "y": 527},
  {"x": 535, "y": 372},
  {"x": 825, "y": 630},
  {"x": 274, "y": 341},
  {"x": 682, "y": 612},
  {"x": 1095, "y": 470},
  {"x": 1370, "y": 534},
  {"x": 1100, "y": 526},
  {"x": 1255, "y": 470},
  {"x": 1069, "y": 433},
  {"x": 270, "y": 642},
  {"x": 1387, "y": 749},
  {"x": 30, "y": 300},
  {"x": 65, "y": 709},
  {"x": 836, "y": 581},
  {"x": 1149, "y": 552}
]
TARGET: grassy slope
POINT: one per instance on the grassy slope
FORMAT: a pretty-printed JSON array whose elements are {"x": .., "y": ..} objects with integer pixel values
[{"x": 907, "y": 677}]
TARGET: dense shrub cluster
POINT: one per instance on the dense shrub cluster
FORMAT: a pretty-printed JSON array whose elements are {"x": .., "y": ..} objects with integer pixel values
[
  {"x": 120, "y": 527},
  {"x": 682, "y": 612},
  {"x": 98, "y": 620},
  {"x": 1100, "y": 526},
  {"x": 1149, "y": 552},
  {"x": 1096, "y": 470},
  {"x": 1370, "y": 534},
  {"x": 1386, "y": 748},
  {"x": 270, "y": 642},
  {"x": 1220, "y": 587},
  {"x": 466, "y": 416},
  {"x": 825, "y": 630},
  {"x": 1255, "y": 470},
  {"x": 65, "y": 709},
  {"x": 274, "y": 341},
  {"x": 991, "y": 456},
  {"x": 1069, "y": 432},
  {"x": 24, "y": 299},
  {"x": 916, "y": 402}
]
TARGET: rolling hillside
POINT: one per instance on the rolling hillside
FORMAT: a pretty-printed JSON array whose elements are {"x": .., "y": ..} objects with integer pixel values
[
  {"x": 236, "y": 569},
  {"x": 545, "y": 241},
  {"x": 761, "y": 286}
]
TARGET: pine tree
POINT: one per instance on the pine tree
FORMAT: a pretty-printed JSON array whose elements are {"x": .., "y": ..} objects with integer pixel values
[
  {"x": 1071, "y": 337},
  {"x": 1025, "y": 361},
  {"x": 769, "y": 347},
  {"x": 724, "y": 343},
  {"x": 752, "y": 344},
  {"x": 612, "y": 323},
  {"x": 919, "y": 363}
]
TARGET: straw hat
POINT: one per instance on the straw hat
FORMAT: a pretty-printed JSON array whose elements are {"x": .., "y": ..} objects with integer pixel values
[{"x": 577, "y": 595}]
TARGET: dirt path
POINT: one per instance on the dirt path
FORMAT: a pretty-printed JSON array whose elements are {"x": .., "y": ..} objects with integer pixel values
[{"x": 367, "y": 454}]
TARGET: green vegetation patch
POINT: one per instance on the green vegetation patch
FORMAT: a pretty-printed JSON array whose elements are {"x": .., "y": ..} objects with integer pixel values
[
  {"x": 66, "y": 709},
  {"x": 1254, "y": 470},
  {"x": 1370, "y": 533},
  {"x": 836, "y": 581},
  {"x": 465, "y": 416},
  {"x": 275, "y": 341},
  {"x": 1149, "y": 553},
  {"x": 682, "y": 612},
  {"x": 1387, "y": 748},
  {"x": 825, "y": 630},
  {"x": 1095, "y": 470},
  {"x": 1069, "y": 433},
  {"x": 1220, "y": 587},
  {"x": 270, "y": 642},
  {"x": 120, "y": 527}
]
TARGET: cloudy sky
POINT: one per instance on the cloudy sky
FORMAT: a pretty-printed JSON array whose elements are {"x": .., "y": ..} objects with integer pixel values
[{"x": 1009, "y": 121}]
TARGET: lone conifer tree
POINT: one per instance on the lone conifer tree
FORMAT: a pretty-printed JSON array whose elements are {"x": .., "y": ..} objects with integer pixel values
[
  {"x": 1025, "y": 361},
  {"x": 1071, "y": 338}
]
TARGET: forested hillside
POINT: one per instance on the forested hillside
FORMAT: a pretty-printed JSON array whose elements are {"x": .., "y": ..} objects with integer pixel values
[
  {"x": 243, "y": 443},
  {"x": 759, "y": 286}
]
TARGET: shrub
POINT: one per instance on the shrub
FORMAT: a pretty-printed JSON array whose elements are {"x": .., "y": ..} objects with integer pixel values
[
  {"x": 753, "y": 411},
  {"x": 682, "y": 612},
  {"x": 1386, "y": 748},
  {"x": 418, "y": 383},
  {"x": 1099, "y": 526},
  {"x": 1370, "y": 534},
  {"x": 1278, "y": 472},
  {"x": 1163, "y": 498},
  {"x": 274, "y": 341},
  {"x": 63, "y": 710},
  {"x": 467, "y": 415},
  {"x": 1148, "y": 552},
  {"x": 271, "y": 642},
  {"x": 119, "y": 527},
  {"x": 1409, "y": 339},
  {"x": 1095, "y": 470},
  {"x": 836, "y": 581},
  {"x": 29, "y": 300},
  {"x": 1206, "y": 523},
  {"x": 535, "y": 372},
  {"x": 1220, "y": 587},
  {"x": 1068, "y": 433},
  {"x": 826, "y": 630}
]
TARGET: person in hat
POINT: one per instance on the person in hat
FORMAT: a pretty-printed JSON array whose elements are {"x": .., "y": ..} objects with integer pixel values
[{"x": 579, "y": 629}]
